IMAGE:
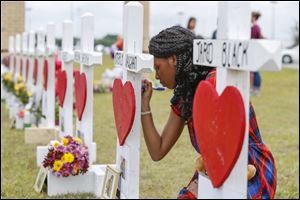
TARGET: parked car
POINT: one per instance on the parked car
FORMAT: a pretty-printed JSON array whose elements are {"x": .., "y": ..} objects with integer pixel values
[{"x": 290, "y": 55}]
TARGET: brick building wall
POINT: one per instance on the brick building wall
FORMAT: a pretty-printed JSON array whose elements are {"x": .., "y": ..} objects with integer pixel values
[{"x": 12, "y": 21}]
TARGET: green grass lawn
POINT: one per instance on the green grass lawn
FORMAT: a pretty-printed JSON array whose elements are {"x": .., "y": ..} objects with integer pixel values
[{"x": 277, "y": 112}]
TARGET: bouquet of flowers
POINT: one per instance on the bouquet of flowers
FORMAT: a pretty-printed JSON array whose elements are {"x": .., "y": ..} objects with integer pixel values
[
  {"x": 21, "y": 92},
  {"x": 8, "y": 81},
  {"x": 67, "y": 158}
]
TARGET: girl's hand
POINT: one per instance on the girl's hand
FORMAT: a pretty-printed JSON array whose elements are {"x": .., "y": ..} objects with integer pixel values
[{"x": 146, "y": 95}]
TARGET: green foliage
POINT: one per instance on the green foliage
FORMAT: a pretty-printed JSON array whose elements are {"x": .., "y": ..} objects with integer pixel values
[
  {"x": 108, "y": 40},
  {"x": 56, "y": 111},
  {"x": 38, "y": 113}
]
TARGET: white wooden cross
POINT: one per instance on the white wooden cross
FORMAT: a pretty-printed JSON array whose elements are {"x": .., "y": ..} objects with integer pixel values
[
  {"x": 40, "y": 56},
  {"x": 67, "y": 55},
  {"x": 134, "y": 63},
  {"x": 24, "y": 54},
  {"x": 48, "y": 102},
  {"x": 88, "y": 59},
  {"x": 31, "y": 57},
  {"x": 17, "y": 57},
  {"x": 235, "y": 56}
]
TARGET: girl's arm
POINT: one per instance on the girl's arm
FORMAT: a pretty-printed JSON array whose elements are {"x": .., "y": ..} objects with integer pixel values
[{"x": 159, "y": 145}]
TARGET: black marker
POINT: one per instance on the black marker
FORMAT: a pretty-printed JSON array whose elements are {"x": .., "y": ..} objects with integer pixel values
[{"x": 154, "y": 88}]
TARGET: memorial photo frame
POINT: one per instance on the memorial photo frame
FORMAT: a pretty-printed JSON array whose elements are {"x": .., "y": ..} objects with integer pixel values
[
  {"x": 110, "y": 184},
  {"x": 40, "y": 179}
]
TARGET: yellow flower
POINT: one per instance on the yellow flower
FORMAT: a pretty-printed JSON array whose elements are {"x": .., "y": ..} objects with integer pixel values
[
  {"x": 29, "y": 94},
  {"x": 68, "y": 157},
  {"x": 21, "y": 85},
  {"x": 57, "y": 165},
  {"x": 77, "y": 140},
  {"x": 65, "y": 141},
  {"x": 8, "y": 77},
  {"x": 20, "y": 79},
  {"x": 56, "y": 144},
  {"x": 17, "y": 87}
]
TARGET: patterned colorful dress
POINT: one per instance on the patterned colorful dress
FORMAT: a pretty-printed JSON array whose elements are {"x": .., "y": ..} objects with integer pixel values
[{"x": 263, "y": 184}]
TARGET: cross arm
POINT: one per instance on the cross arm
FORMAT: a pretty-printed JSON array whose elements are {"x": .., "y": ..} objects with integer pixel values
[
  {"x": 88, "y": 58},
  {"x": 244, "y": 55},
  {"x": 138, "y": 63}
]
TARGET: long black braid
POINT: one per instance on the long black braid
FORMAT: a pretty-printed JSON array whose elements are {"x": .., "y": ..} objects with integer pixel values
[{"x": 179, "y": 41}]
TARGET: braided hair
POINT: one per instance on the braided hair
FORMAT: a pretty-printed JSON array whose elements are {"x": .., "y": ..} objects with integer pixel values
[{"x": 178, "y": 41}]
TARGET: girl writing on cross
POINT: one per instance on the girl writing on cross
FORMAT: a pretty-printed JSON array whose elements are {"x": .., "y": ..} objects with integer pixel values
[{"x": 172, "y": 49}]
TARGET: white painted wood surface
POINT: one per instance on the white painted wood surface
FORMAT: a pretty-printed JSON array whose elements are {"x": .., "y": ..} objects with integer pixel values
[
  {"x": 66, "y": 112},
  {"x": 31, "y": 57},
  {"x": 40, "y": 53},
  {"x": 49, "y": 94},
  {"x": 24, "y": 54},
  {"x": 18, "y": 57}
]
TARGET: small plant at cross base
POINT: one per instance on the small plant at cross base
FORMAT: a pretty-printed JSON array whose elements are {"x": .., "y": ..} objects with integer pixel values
[
  {"x": 56, "y": 112},
  {"x": 38, "y": 113}
]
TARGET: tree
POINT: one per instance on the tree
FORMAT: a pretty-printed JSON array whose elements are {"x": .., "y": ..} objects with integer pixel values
[{"x": 107, "y": 40}]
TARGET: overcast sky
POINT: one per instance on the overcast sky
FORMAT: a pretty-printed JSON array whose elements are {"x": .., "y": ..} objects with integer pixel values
[{"x": 108, "y": 16}]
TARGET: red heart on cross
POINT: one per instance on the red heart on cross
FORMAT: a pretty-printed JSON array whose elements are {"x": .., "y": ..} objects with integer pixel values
[
  {"x": 219, "y": 123},
  {"x": 27, "y": 68},
  {"x": 45, "y": 72},
  {"x": 21, "y": 67},
  {"x": 124, "y": 108},
  {"x": 80, "y": 93},
  {"x": 61, "y": 86},
  {"x": 15, "y": 64},
  {"x": 35, "y": 71}
]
